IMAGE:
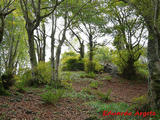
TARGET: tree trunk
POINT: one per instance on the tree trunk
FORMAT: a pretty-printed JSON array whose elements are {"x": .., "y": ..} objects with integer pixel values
[
  {"x": 154, "y": 70},
  {"x": 1, "y": 28},
  {"x": 58, "y": 53},
  {"x": 32, "y": 54},
  {"x": 52, "y": 60},
  {"x": 90, "y": 48},
  {"x": 81, "y": 50},
  {"x": 44, "y": 43},
  {"x": 129, "y": 71}
]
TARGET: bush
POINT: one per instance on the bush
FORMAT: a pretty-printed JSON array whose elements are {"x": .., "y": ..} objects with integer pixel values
[
  {"x": 3, "y": 91},
  {"x": 52, "y": 97},
  {"x": 42, "y": 74},
  {"x": 81, "y": 95},
  {"x": 105, "y": 97},
  {"x": 93, "y": 66},
  {"x": 20, "y": 87},
  {"x": 7, "y": 80},
  {"x": 90, "y": 75},
  {"x": 140, "y": 103},
  {"x": 142, "y": 71},
  {"x": 103, "y": 55},
  {"x": 94, "y": 84},
  {"x": 128, "y": 67},
  {"x": 66, "y": 84},
  {"x": 108, "y": 78},
  {"x": 72, "y": 62},
  {"x": 27, "y": 78}
]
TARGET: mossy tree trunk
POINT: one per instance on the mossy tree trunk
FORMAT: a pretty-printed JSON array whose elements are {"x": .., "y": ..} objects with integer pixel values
[{"x": 154, "y": 70}]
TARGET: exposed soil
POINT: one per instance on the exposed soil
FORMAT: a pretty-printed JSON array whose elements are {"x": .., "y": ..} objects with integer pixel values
[
  {"x": 29, "y": 106},
  {"x": 122, "y": 90}
]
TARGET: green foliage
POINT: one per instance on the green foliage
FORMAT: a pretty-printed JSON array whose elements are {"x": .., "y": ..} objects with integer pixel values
[
  {"x": 108, "y": 77},
  {"x": 88, "y": 75},
  {"x": 81, "y": 95},
  {"x": 20, "y": 87},
  {"x": 94, "y": 84},
  {"x": 7, "y": 80},
  {"x": 138, "y": 70},
  {"x": 157, "y": 116},
  {"x": 26, "y": 78},
  {"x": 87, "y": 90},
  {"x": 3, "y": 92},
  {"x": 142, "y": 70},
  {"x": 93, "y": 66},
  {"x": 105, "y": 96},
  {"x": 52, "y": 97},
  {"x": 115, "y": 107},
  {"x": 71, "y": 62},
  {"x": 103, "y": 55},
  {"x": 66, "y": 84},
  {"x": 42, "y": 74},
  {"x": 140, "y": 103}
]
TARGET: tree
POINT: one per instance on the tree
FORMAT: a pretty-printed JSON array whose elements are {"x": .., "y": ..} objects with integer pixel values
[
  {"x": 149, "y": 10},
  {"x": 6, "y": 8},
  {"x": 33, "y": 13},
  {"x": 65, "y": 11},
  {"x": 90, "y": 24},
  {"x": 80, "y": 50},
  {"x": 129, "y": 32},
  {"x": 40, "y": 40}
]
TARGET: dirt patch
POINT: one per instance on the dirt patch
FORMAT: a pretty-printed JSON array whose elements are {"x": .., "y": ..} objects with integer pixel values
[
  {"x": 122, "y": 90},
  {"x": 30, "y": 107}
]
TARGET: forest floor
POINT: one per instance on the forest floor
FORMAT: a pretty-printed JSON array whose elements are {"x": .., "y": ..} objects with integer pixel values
[{"x": 73, "y": 105}]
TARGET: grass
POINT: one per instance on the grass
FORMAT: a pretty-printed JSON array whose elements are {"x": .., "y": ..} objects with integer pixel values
[
  {"x": 94, "y": 84},
  {"x": 88, "y": 75},
  {"x": 80, "y": 95},
  {"x": 100, "y": 107},
  {"x": 52, "y": 97},
  {"x": 105, "y": 96},
  {"x": 108, "y": 78},
  {"x": 4, "y": 92}
]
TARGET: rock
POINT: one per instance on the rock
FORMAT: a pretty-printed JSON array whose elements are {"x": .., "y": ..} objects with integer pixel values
[{"x": 111, "y": 68}]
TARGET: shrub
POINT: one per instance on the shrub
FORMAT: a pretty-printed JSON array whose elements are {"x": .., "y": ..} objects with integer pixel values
[
  {"x": 93, "y": 66},
  {"x": 3, "y": 91},
  {"x": 108, "y": 78},
  {"x": 42, "y": 74},
  {"x": 20, "y": 87},
  {"x": 103, "y": 55},
  {"x": 26, "y": 78},
  {"x": 140, "y": 103},
  {"x": 7, "y": 80},
  {"x": 81, "y": 95},
  {"x": 142, "y": 71},
  {"x": 71, "y": 62},
  {"x": 115, "y": 107},
  {"x": 52, "y": 97},
  {"x": 87, "y": 90},
  {"x": 94, "y": 84},
  {"x": 66, "y": 84},
  {"x": 90, "y": 75},
  {"x": 105, "y": 97}
]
